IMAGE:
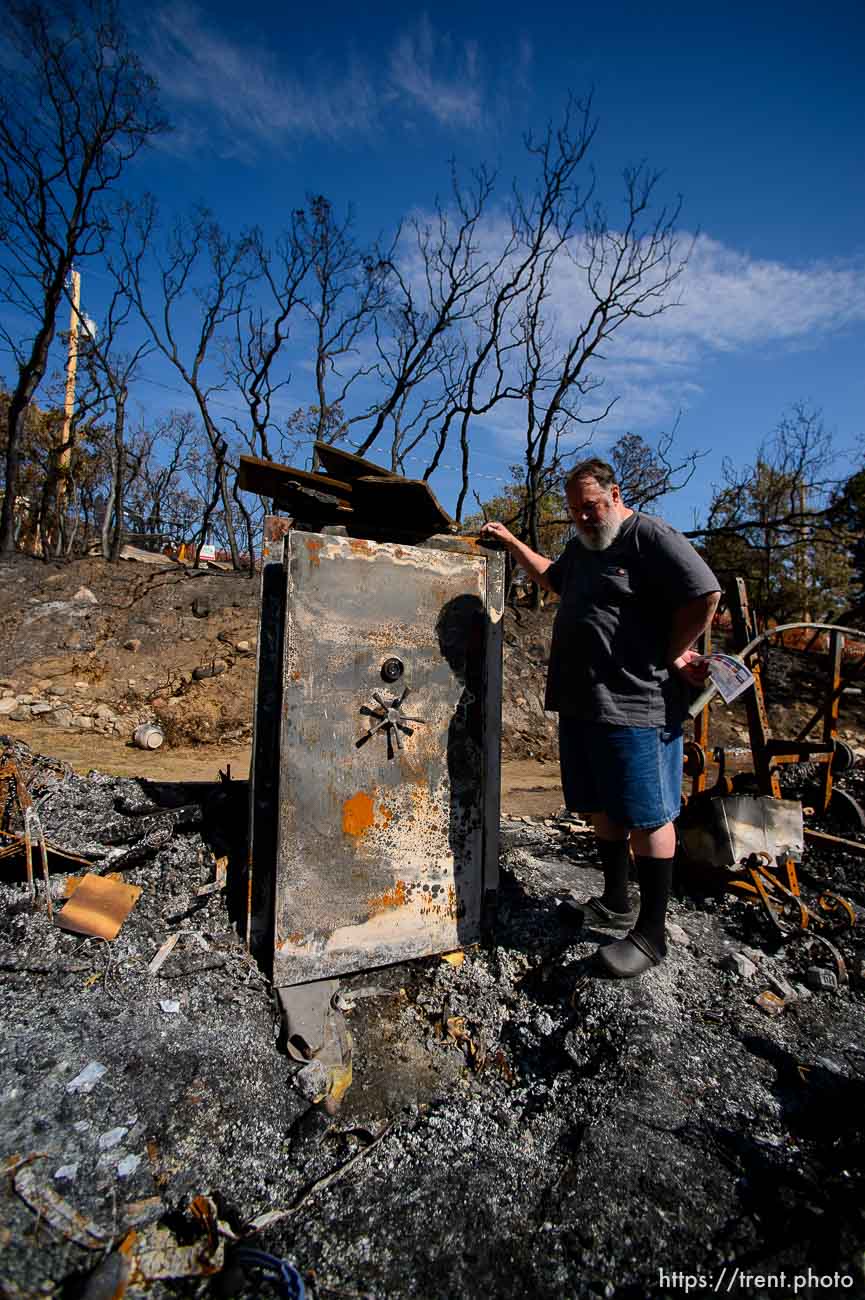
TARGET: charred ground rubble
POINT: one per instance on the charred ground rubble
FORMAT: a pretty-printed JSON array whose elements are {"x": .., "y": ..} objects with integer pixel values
[{"x": 515, "y": 1125}]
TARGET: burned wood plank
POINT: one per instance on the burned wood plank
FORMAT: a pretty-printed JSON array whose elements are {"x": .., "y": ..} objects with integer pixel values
[
  {"x": 346, "y": 466},
  {"x": 269, "y": 479},
  {"x": 99, "y": 906}
]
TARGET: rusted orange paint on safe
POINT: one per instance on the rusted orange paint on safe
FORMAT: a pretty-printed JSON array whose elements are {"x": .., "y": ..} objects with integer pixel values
[
  {"x": 358, "y": 813},
  {"x": 314, "y": 547},
  {"x": 396, "y": 897},
  {"x": 359, "y": 544}
]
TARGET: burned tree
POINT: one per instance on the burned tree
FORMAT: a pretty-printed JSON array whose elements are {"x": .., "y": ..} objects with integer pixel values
[
  {"x": 627, "y": 274},
  {"x": 74, "y": 109},
  {"x": 110, "y": 371},
  {"x": 200, "y": 261},
  {"x": 541, "y": 225},
  {"x": 343, "y": 301},
  {"x": 458, "y": 345},
  {"x": 646, "y": 474},
  {"x": 473, "y": 321},
  {"x": 443, "y": 286},
  {"x": 317, "y": 284},
  {"x": 772, "y": 522},
  {"x": 159, "y": 501},
  {"x": 261, "y": 330},
  {"x": 847, "y": 518}
]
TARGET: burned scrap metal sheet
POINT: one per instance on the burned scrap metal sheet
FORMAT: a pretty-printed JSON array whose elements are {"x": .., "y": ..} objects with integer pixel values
[
  {"x": 724, "y": 831},
  {"x": 368, "y": 496},
  {"x": 388, "y": 748}
]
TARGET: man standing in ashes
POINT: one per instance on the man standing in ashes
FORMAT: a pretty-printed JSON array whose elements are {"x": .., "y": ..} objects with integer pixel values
[{"x": 635, "y": 596}]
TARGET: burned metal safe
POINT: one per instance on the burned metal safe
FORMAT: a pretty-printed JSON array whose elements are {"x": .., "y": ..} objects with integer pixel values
[{"x": 375, "y": 778}]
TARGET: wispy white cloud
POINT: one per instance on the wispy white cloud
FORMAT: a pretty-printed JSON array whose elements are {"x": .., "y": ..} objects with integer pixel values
[
  {"x": 241, "y": 95},
  {"x": 525, "y": 60},
  {"x": 726, "y": 302},
  {"x": 731, "y": 300},
  {"x": 435, "y": 74}
]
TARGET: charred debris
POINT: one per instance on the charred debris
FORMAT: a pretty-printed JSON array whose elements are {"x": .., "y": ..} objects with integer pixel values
[{"x": 513, "y": 1121}]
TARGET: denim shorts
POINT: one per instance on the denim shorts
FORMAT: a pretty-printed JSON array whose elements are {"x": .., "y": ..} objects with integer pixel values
[{"x": 633, "y": 774}]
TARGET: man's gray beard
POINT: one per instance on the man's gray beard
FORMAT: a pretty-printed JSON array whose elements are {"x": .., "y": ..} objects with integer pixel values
[{"x": 603, "y": 538}]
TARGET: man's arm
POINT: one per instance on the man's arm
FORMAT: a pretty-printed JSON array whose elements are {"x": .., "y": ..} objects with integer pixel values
[
  {"x": 689, "y": 621},
  {"x": 535, "y": 565}
]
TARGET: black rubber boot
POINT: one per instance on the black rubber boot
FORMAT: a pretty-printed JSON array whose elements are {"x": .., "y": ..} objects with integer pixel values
[
  {"x": 644, "y": 946},
  {"x": 656, "y": 878},
  {"x": 616, "y": 864}
]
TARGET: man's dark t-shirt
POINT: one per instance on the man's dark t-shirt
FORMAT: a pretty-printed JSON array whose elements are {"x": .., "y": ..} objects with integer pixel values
[{"x": 612, "y": 630}]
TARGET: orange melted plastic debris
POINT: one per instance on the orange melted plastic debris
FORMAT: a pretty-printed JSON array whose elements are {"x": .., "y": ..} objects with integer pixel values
[{"x": 358, "y": 813}]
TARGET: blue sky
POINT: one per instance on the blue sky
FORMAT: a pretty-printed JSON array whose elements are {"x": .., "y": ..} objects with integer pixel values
[{"x": 754, "y": 114}]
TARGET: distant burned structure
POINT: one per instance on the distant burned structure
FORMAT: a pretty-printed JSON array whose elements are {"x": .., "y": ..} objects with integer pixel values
[{"x": 375, "y": 779}]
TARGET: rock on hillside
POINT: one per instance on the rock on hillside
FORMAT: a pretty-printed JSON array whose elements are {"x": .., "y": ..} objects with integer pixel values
[{"x": 90, "y": 646}]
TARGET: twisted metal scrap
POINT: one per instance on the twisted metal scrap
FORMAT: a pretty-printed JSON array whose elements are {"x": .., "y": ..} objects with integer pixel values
[
  {"x": 15, "y": 791},
  {"x": 15, "y": 798}
]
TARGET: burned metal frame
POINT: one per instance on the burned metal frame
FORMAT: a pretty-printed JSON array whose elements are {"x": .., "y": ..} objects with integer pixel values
[
  {"x": 829, "y": 903},
  {"x": 13, "y": 790},
  {"x": 264, "y": 769},
  {"x": 769, "y": 754}
]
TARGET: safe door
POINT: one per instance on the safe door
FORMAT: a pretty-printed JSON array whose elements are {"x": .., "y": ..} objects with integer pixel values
[{"x": 388, "y": 750}]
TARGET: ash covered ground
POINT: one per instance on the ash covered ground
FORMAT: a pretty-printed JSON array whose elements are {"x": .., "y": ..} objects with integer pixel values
[{"x": 516, "y": 1125}]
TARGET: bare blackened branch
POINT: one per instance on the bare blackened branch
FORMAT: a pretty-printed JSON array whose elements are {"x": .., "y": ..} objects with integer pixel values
[{"x": 263, "y": 328}]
